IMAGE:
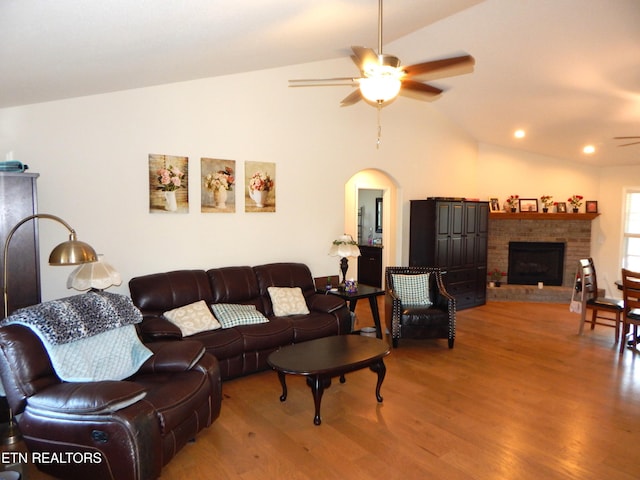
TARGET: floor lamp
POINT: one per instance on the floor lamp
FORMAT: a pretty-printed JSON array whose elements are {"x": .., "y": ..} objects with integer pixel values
[{"x": 71, "y": 252}]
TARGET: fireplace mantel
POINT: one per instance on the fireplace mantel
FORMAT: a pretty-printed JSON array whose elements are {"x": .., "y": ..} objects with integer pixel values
[{"x": 541, "y": 216}]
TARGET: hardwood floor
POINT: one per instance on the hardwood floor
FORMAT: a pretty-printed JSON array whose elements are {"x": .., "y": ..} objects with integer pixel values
[{"x": 521, "y": 396}]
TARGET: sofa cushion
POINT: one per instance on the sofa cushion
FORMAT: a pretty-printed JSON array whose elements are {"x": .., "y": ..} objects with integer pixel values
[
  {"x": 232, "y": 314},
  {"x": 193, "y": 318},
  {"x": 287, "y": 301},
  {"x": 156, "y": 293}
]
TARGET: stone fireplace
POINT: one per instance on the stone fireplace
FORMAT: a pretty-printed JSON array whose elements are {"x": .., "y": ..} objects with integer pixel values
[{"x": 571, "y": 230}]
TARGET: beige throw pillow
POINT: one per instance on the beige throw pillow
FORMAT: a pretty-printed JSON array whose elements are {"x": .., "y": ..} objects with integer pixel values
[
  {"x": 193, "y": 318},
  {"x": 287, "y": 301}
]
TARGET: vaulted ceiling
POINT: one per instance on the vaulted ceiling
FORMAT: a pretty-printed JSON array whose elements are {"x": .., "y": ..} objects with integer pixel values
[{"x": 566, "y": 71}]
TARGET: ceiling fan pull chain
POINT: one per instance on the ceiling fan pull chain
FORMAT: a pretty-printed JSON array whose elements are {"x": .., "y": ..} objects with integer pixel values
[{"x": 379, "y": 125}]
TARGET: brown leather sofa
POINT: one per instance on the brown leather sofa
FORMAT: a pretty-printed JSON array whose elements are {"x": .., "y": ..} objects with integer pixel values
[
  {"x": 243, "y": 349},
  {"x": 101, "y": 430}
]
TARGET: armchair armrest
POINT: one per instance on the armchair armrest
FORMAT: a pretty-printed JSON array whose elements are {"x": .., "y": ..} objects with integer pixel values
[
  {"x": 325, "y": 303},
  {"x": 444, "y": 299},
  {"x": 172, "y": 356},
  {"x": 84, "y": 398}
]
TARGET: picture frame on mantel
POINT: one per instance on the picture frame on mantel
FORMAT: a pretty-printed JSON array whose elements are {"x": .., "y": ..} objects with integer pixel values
[
  {"x": 528, "y": 205},
  {"x": 591, "y": 206},
  {"x": 494, "y": 204},
  {"x": 561, "y": 207}
]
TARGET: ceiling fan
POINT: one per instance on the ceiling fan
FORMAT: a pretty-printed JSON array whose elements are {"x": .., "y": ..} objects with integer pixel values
[
  {"x": 627, "y": 138},
  {"x": 382, "y": 78}
]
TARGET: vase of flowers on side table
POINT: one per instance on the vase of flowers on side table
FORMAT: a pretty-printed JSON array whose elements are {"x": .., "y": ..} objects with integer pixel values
[{"x": 495, "y": 277}]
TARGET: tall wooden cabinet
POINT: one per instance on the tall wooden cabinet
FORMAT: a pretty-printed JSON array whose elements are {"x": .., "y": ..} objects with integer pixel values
[
  {"x": 18, "y": 200},
  {"x": 452, "y": 235}
]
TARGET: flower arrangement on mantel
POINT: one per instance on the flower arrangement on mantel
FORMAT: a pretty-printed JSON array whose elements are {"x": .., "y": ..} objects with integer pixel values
[
  {"x": 170, "y": 178},
  {"x": 222, "y": 179},
  {"x": 512, "y": 201},
  {"x": 547, "y": 201},
  {"x": 575, "y": 201},
  {"x": 495, "y": 276},
  {"x": 260, "y": 181}
]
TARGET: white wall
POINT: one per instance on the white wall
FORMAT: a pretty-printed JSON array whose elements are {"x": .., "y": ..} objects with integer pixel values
[{"x": 92, "y": 155}]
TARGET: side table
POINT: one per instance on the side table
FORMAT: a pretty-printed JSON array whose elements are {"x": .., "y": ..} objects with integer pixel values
[{"x": 364, "y": 291}]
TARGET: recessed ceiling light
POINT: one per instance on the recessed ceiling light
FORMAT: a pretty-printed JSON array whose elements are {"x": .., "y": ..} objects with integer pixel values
[
  {"x": 589, "y": 149},
  {"x": 519, "y": 133}
]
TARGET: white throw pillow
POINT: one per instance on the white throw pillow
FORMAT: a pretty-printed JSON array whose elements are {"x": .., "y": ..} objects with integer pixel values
[
  {"x": 234, "y": 314},
  {"x": 193, "y": 318},
  {"x": 413, "y": 290},
  {"x": 287, "y": 301}
]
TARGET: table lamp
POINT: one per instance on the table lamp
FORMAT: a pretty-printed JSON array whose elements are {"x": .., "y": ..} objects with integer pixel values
[
  {"x": 71, "y": 252},
  {"x": 344, "y": 246}
]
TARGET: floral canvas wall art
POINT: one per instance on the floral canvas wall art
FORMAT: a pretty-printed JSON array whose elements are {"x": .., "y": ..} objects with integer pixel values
[
  {"x": 168, "y": 184},
  {"x": 218, "y": 185},
  {"x": 260, "y": 187}
]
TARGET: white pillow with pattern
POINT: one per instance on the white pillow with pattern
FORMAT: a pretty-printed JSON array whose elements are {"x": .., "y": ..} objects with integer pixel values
[
  {"x": 193, "y": 318},
  {"x": 287, "y": 301}
]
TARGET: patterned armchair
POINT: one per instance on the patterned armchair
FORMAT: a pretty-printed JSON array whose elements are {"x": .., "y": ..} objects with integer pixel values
[{"x": 418, "y": 304}]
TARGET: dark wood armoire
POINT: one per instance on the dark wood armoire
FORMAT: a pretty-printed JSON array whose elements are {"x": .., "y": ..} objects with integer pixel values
[
  {"x": 452, "y": 234},
  {"x": 18, "y": 199}
]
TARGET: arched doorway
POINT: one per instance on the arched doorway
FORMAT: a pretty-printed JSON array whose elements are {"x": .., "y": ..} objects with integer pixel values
[{"x": 373, "y": 179}]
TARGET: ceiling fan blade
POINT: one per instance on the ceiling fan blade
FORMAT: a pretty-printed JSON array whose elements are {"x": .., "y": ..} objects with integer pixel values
[
  {"x": 323, "y": 82},
  {"x": 419, "y": 91},
  {"x": 447, "y": 67},
  {"x": 623, "y": 138},
  {"x": 353, "y": 97},
  {"x": 363, "y": 56},
  {"x": 627, "y": 144}
]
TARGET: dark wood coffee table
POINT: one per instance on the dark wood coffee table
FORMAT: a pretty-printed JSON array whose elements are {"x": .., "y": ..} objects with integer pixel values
[{"x": 322, "y": 359}]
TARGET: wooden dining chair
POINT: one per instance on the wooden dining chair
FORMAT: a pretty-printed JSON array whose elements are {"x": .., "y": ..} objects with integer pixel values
[
  {"x": 604, "y": 311},
  {"x": 631, "y": 311}
]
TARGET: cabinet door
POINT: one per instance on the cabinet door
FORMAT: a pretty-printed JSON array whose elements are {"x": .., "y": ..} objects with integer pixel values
[
  {"x": 370, "y": 266},
  {"x": 469, "y": 234}
]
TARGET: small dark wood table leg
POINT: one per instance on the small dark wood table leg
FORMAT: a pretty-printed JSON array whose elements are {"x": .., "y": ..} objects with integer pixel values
[
  {"x": 318, "y": 385},
  {"x": 283, "y": 382},
  {"x": 380, "y": 368},
  {"x": 373, "y": 303}
]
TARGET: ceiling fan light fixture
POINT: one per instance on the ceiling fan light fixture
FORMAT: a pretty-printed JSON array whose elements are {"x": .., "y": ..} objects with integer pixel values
[{"x": 380, "y": 88}]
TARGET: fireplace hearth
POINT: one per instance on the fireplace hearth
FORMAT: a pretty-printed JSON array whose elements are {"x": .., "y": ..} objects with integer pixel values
[{"x": 533, "y": 262}]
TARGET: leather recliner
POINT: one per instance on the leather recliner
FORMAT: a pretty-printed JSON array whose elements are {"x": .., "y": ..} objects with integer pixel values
[{"x": 104, "y": 430}]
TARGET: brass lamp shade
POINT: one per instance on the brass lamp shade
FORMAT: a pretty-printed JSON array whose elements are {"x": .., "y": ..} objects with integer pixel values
[{"x": 72, "y": 252}]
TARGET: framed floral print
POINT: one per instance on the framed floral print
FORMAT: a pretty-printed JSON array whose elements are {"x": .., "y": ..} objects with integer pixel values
[
  {"x": 260, "y": 187},
  {"x": 218, "y": 185},
  {"x": 168, "y": 184}
]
